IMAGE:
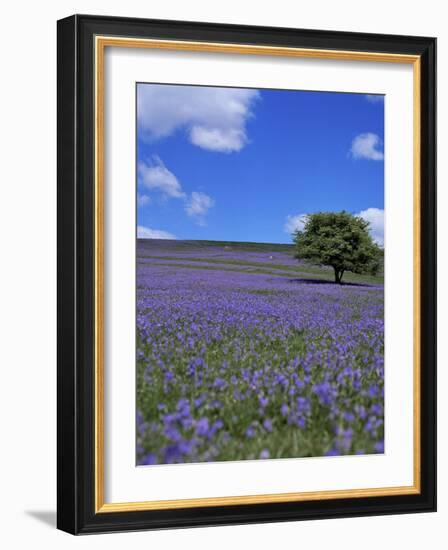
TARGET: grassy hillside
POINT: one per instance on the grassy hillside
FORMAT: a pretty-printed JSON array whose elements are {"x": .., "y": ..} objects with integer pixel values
[{"x": 262, "y": 258}]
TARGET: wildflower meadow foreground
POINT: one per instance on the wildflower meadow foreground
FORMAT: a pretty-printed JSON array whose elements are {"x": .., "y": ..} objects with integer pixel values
[{"x": 244, "y": 353}]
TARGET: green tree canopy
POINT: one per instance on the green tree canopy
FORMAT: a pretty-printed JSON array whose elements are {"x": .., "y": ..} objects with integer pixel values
[{"x": 339, "y": 240}]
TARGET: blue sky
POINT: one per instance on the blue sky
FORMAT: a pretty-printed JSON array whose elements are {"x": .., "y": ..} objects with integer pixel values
[{"x": 247, "y": 165}]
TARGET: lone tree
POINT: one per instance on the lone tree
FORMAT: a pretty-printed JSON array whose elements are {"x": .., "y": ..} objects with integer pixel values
[{"x": 339, "y": 240}]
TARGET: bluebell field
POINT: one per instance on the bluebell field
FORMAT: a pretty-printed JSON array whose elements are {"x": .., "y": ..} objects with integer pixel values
[{"x": 243, "y": 353}]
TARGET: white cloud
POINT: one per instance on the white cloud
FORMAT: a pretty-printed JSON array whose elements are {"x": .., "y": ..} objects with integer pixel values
[
  {"x": 216, "y": 139},
  {"x": 375, "y": 216},
  {"x": 367, "y": 146},
  {"x": 214, "y": 118},
  {"x": 197, "y": 206},
  {"x": 148, "y": 233},
  {"x": 294, "y": 223},
  {"x": 375, "y": 98},
  {"x": 155, "y": 175},
  {"x": 143, "y": 200}
]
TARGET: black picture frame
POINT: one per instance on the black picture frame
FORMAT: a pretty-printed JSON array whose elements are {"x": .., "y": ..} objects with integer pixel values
[{"x": 76, "y": 256}]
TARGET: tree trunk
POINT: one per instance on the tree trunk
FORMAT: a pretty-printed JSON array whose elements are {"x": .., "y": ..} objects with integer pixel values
[{"x": 338, "y": 273}]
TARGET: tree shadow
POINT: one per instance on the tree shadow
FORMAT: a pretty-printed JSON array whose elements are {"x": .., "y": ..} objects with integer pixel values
[
  {"x": 48, "y": 517},
  {"x": 326, "y": 282}
]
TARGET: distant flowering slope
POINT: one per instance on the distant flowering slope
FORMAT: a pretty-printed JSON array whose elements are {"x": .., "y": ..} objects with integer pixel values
[{"x": 236, "y": 365}]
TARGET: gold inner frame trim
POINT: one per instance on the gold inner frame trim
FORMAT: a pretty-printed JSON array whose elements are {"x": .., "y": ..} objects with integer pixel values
[{"x": 101, "y": 42}]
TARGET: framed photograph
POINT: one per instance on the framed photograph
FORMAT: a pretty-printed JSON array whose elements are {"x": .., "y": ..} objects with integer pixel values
[{"x": 246, "y": 274}]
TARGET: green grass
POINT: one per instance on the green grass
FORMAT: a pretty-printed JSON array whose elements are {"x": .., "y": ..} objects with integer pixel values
[
  {"x": 147, "y": 250},
  {"x": 262, "y": 269},
  {"x": 227, "y": 245}
]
